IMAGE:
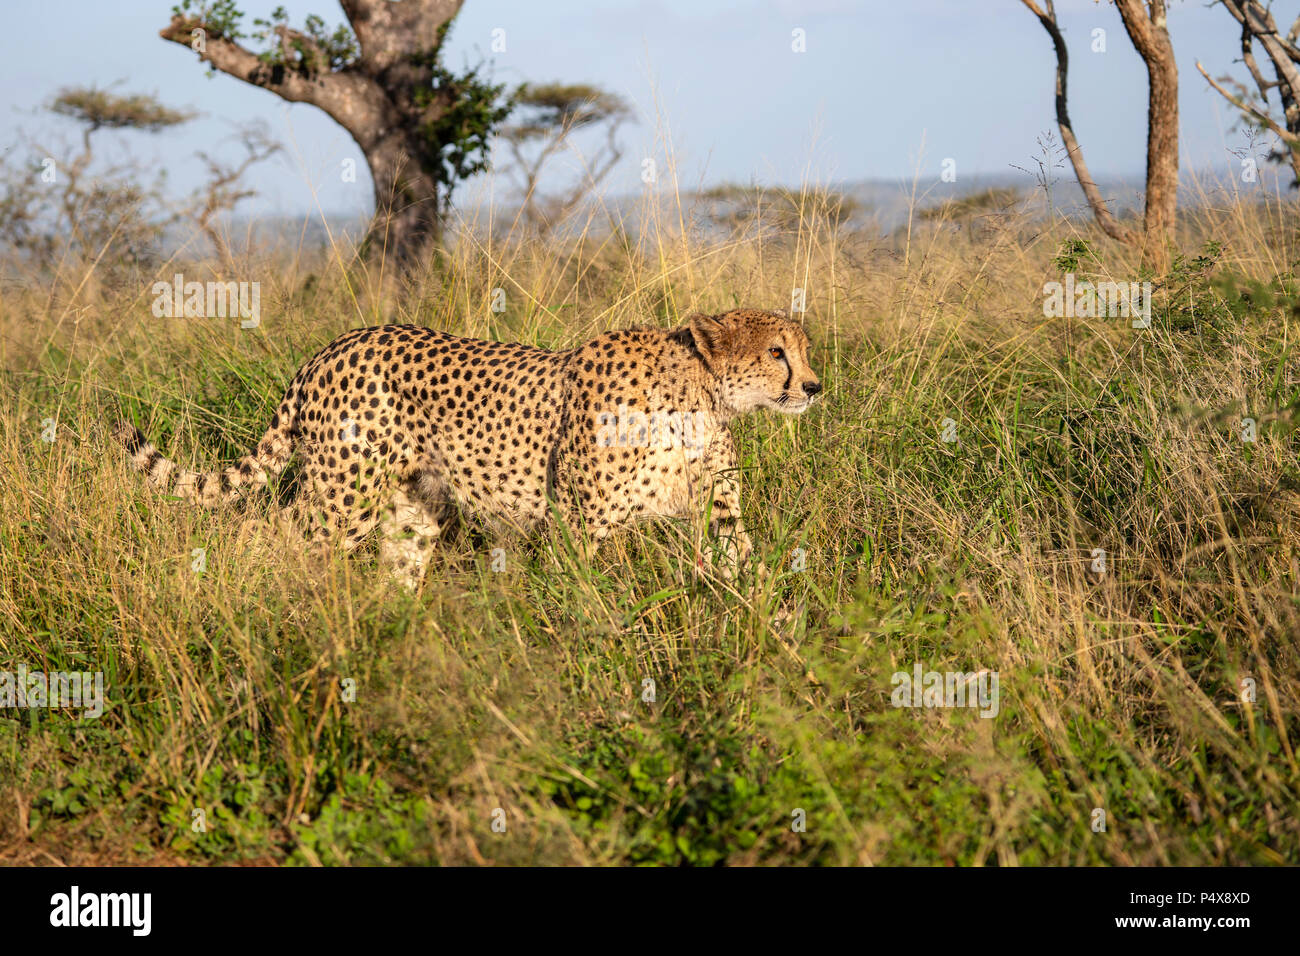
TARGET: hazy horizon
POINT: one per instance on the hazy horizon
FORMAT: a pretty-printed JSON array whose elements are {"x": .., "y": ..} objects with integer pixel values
[{"x": 765, "y": 116}]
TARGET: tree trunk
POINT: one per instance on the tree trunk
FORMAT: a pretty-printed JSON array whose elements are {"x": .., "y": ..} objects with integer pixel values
[
  {"x": 1100, "y": 211},
  {"x": 385, "y": 97},
  {"x": 1150, "y": 35},
  {"x": 408, "y": 208}
]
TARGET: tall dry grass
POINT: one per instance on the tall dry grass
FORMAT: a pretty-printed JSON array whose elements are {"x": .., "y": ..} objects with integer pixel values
[{"x": 620, "y": 711}]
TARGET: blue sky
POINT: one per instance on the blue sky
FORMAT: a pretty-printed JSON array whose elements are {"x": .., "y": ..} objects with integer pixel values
[{"x": 883, "y": 87}]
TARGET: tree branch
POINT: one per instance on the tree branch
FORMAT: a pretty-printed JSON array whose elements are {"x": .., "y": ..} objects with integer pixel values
[
  {"x": 1257, "y": 23},
  {"x": 1105, "y": 218},
  {"x": 349, "y": 97},
  {"x": 1291, "y": 139},
  {"x": 309, "y": 59},
  {"x": 1283, "y": 56},
  {"x": 1248, "y": 57}
]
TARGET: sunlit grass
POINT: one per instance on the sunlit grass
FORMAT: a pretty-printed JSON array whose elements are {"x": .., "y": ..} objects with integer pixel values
[{"x": 624, "y": 710}]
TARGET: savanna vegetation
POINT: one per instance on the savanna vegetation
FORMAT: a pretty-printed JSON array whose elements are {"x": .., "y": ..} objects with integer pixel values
[{"x": 946, "y": 505}]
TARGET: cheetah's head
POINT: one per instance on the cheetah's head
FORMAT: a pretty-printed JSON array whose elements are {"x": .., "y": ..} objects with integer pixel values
[{"x": 760, "y": 359}]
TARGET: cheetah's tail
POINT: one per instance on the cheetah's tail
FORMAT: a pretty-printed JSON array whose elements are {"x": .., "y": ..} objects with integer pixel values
[{"x": 222, "y": 485}]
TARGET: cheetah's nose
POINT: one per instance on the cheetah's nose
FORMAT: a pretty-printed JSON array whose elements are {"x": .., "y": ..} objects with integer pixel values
[{"x": 811, "y": 388}]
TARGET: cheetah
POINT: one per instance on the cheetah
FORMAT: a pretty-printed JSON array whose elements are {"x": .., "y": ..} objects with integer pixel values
[{"x": 403, "y": 428}]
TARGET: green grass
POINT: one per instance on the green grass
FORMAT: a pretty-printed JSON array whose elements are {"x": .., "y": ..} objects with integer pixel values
[{"x": 518, "y": 698}]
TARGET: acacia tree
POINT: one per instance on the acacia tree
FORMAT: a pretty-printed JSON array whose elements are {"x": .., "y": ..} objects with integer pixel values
[
  {"x": 89, "y": 205},
  {"x": 1257, "y": 25},
  {"x": 421, "y": 127},
  {"x": 96, "y": 109},
  {"x": 546, "y": 116},
  {"x": 1147, "y": 28}
]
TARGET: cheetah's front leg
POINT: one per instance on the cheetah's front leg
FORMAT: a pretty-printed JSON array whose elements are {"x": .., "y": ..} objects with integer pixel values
[
  {"x": 721, "y": 487},
  {"x": 410, "y": 527}
]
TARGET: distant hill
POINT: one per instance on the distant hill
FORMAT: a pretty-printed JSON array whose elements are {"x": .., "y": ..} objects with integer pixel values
[{"x": 873, "y": 204}]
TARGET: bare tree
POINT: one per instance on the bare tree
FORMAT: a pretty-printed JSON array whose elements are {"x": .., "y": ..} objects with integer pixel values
[
  {"x": 1148, "y": 30},
  {"x": 547, "y": 116},
  {"x": 1257, "y": 24},
  {"x": 223, "y": 190},
  {"x": 421, "y": 128},
  {"x": 1105, "y": 218}
]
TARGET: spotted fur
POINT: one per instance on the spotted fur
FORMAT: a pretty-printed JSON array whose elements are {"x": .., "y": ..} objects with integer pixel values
[{"x": 402, "y": 427}]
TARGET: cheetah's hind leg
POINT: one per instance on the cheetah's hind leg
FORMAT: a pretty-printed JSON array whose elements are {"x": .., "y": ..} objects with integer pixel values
[{"x": 410, "y": 526}]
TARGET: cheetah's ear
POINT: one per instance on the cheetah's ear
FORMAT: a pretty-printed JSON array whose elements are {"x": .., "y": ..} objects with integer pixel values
[{"x": 711, "y": 336}]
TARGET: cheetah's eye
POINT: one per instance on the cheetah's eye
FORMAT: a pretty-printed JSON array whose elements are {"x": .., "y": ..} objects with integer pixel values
[{"x": 776, "y": 353}]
